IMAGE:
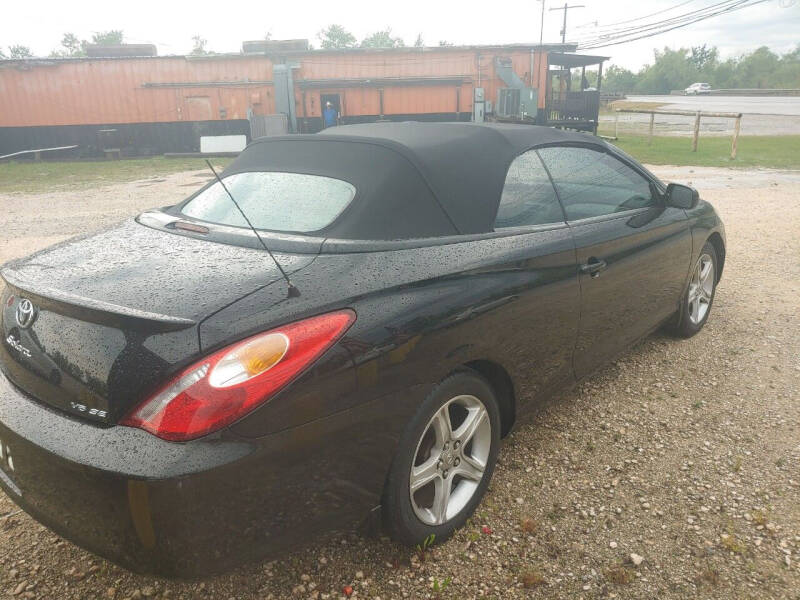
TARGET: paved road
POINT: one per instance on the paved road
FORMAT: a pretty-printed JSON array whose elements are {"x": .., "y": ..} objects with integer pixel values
[{"x": 754, "y": 105}]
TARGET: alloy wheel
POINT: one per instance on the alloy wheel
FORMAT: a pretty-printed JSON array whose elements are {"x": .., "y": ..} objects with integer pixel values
[
  {"x": 450, "y": 460},
  {"x": 701, "y": 289}
]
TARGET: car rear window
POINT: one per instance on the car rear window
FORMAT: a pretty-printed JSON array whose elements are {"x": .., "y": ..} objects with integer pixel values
[{"x": 291, "y": 202}]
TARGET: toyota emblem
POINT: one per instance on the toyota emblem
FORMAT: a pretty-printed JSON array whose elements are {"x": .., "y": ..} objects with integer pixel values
[{"x": 26, "y": 313}]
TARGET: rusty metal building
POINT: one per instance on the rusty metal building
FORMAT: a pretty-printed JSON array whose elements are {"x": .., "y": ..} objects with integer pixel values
[{"x": 153, "y": 105}]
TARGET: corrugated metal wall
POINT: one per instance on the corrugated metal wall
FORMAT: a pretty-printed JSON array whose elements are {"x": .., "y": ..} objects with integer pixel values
[
  {"x": 132, "y": 90},
  {"x": 475, "y": 66},
  {"x": 170, "y": 89}
]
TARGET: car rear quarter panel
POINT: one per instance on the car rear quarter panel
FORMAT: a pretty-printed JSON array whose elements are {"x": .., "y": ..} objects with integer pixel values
[{"x": 422, "y": 312}]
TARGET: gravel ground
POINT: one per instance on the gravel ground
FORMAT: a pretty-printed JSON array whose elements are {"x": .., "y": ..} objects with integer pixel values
[{"x": 671, "y": 473}]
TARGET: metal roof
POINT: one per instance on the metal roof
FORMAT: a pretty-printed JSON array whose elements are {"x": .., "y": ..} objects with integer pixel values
[
  {"x": 550, "y": 48},
  {"x": 574, "y": 60}
]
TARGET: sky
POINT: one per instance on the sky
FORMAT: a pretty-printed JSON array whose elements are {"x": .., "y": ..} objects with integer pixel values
[{"x": 170, "y": 25}]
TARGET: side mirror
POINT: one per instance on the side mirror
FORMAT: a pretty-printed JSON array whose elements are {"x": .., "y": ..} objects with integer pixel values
[{"x": 681, "y": 196}]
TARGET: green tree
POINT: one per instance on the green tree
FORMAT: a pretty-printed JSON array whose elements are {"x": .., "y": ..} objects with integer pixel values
[
  {"x": 199, "y": 46},
  {"x": 382, "y": 39},
  {"x": 19, "y": 51},
  {"x": 70, "y": 46},
  {"x": 419, "y": 42},
  {"x": 704, "y": 58},
  {"x": 618, "y": 79},
  {"x": 445, "y": 43},
  {"x": 107, "y": 38},
  {"x": 787, "y": 74},
  {"x": 756, "y": 70},
  {"x": 336, "y": 36},
  {"x": 672, "y": 70}
]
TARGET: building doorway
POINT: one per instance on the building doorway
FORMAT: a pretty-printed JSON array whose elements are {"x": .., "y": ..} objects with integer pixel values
[{"x": 335, "y": 101}]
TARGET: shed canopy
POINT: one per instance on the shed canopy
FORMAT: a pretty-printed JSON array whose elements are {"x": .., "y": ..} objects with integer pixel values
[
  {"x": 570, "y": 61},
  {"x": 412, "y": 179}
]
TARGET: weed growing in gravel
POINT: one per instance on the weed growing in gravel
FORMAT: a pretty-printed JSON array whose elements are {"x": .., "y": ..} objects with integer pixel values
[
  {"x": 732, "y": 544},
  {"x": 528, "y": 525},
  {"x": 555, "y": 513},
  {"x": 759, "y": 517},
  {"x": 532, "y": 579},
  {"x": 440, "y": 586},
  {"x": 710, "y": 576},
  {"x": 619, "y": 575},
  {"x": 425, "y": 546}
]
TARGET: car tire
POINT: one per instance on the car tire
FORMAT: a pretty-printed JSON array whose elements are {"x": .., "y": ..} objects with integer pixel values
[
  {"x": 448, "y": 459},
  {"x": 699, "y": 296}
]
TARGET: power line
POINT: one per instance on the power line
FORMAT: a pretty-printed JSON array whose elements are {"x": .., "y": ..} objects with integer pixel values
[
  {"x": 659, "y": 12},
  {"x": 631, "y": 34},
  {"x": 631, "y": 37},
  {"x": 665, "y": 22},
  {"x": 690, "y": 16}
]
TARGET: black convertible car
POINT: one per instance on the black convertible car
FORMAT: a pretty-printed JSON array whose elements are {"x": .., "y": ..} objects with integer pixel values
[{"x": 171, "y": 401}]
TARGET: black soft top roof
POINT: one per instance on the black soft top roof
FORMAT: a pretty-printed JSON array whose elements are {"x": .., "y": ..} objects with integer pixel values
[{"x": 412, "y": 179}]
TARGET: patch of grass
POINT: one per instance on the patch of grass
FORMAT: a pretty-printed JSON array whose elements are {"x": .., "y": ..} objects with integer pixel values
[
  {"x": 36, "y": 177},
  {"x": 532, "y": 579},
  {"x": 619, "y": 575},
  {"x": 631, "y": 105},
  {"x": 777, "y": 152},
  {"x": 760, "y": 517}
]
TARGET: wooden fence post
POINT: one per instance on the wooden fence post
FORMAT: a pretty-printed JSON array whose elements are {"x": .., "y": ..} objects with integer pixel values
[
  {"x": 737, "y": 126},
  {"x": 616, "y": 125},
  {"x": 650, "y": 134},
  {"x": 696, "y": 131}
]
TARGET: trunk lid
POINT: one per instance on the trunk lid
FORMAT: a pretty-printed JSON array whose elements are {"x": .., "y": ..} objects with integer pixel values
[{"x": 92, "y": 325}]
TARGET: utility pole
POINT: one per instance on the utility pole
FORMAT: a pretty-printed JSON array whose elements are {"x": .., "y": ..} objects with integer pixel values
[
  {"x": 541, "y": 29},
  {"x": 565, "y": 8}
]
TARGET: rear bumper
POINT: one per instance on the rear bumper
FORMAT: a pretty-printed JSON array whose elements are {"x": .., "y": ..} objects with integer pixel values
[
  {"x": 144, "y": 503},
  {"x": 189, "y": 509}
]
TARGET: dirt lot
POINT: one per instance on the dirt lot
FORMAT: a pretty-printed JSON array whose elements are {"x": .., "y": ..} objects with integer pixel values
[{"x": 672, "y": 473}]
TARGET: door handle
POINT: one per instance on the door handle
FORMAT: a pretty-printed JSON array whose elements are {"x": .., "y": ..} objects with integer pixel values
[{"x": 593, "y": 267}]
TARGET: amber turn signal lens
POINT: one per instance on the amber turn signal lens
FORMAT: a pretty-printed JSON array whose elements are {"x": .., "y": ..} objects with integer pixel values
[{"x": 248, "y": 360}]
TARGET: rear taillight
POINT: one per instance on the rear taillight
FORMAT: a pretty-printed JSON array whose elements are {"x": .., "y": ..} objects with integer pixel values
[{"x": 222, "y": 387}]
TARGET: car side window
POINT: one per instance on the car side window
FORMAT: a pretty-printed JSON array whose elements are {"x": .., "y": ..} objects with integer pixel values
[
  {"x": 528, "y": 196},
  {"x": 591, "y": 182}
]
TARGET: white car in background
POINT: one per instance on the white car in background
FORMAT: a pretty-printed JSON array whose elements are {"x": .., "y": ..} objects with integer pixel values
[{"x": 697, "y": 88}]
